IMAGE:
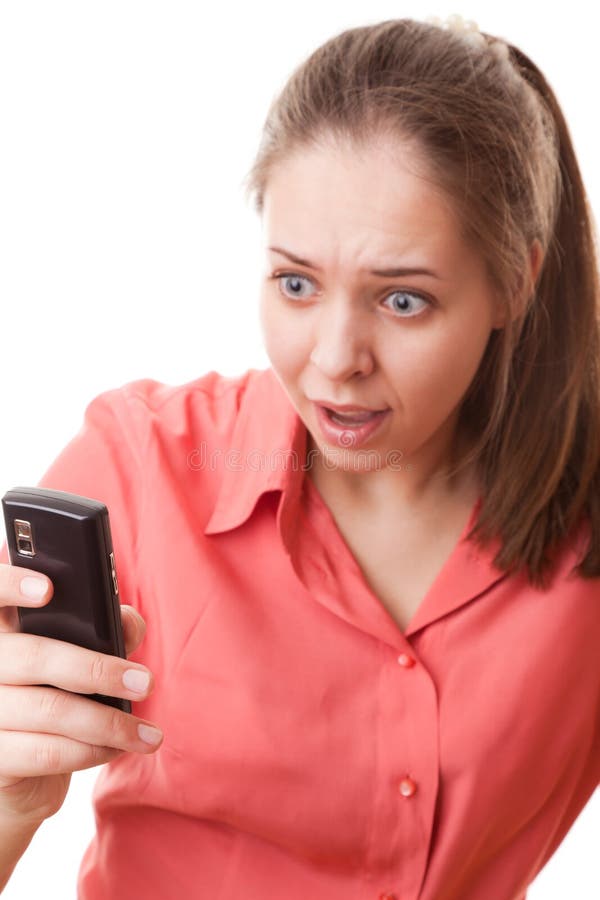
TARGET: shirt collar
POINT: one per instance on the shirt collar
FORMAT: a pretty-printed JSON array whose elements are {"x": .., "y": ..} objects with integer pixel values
[
  {"x": 269, "y": 440},
  {"x": 268, "y": 451}
]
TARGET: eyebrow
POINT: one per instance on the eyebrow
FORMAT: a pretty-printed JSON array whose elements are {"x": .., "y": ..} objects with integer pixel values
[{"x": 385, "y": 273}]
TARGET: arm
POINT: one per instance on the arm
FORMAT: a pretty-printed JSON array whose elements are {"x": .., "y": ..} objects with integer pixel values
[{"x": 14, "y": 841}]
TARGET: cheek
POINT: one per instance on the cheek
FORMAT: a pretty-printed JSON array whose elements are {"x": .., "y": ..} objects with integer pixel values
[
  {"x": 263, "y": 314},
  {"x": 435, "y": 377},
  {"x": 282, "y": 342},
  {"x": 285, "y": 345}
]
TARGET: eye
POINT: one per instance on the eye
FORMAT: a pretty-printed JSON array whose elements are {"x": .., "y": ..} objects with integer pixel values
[
  {"x": 403, "y": 304},
  {"x": 294, "y": 281}
]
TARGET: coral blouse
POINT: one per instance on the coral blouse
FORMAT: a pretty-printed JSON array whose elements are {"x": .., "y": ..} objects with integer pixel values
[{"x": 313, "y": 750}]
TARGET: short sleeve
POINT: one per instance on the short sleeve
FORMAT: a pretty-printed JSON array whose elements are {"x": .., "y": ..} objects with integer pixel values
[{"x": 104, "y": 461}]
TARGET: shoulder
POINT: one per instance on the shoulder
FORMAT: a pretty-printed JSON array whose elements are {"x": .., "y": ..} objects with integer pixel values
[
  {"x": 571, "y": 604},
  {"x": 145, "y": 405}
]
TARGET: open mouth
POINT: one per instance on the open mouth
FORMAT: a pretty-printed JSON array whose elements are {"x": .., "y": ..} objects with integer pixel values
[{"x": 350, "y": 419}]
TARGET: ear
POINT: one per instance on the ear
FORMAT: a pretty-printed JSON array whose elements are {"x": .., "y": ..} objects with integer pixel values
[
  {"x": 536, "y": 258},
  {"x": 500, "y": 319}
]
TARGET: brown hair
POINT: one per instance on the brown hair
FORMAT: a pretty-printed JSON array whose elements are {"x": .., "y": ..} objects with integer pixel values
[{"x": 494, "y": 138}]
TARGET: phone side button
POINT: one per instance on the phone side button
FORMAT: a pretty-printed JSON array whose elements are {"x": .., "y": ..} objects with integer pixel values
[{"x": 114, "y": 574}]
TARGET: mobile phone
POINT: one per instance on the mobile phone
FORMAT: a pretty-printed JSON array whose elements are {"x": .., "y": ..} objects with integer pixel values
[{"x": 67, "y": 537}]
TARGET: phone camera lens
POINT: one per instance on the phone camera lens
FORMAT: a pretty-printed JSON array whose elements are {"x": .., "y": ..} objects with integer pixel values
[{"x": 24, "y": 537}]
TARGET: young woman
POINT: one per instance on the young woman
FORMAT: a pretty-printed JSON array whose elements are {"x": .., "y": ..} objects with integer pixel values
[{"x": 369, "y": 573}]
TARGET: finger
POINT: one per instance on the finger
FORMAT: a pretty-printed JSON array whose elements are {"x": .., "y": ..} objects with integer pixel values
[
  {"x": 134, "y": 628},
  {"x": 31, "y": 659},
  {"x": 43, "y": 711},
  {"x": 23, "y": 755},
  {"x": 23, "y": 587},
  {"x": 83, "y": 757},
  {"x": 18, "y": 588}
]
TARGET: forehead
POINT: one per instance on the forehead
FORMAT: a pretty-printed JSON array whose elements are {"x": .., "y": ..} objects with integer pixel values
[{"x": 379, "y": 193}]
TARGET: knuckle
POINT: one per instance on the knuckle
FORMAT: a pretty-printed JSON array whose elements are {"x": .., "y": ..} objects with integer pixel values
[
  {"x": 101, "y": 754},
  {"x": 115, "y": 726},
  {"x": 95, "y": 753},
  {"x": 53, "y": 704},
  {"x": 98, "y": 669},
  {"x": 47, "y": 757},
  {"x": 32, "y": 655}
]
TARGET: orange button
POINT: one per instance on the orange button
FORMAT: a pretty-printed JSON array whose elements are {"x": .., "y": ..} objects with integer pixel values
[
  {"x": 407, "y": 787},
  {"x": 405, "y": 660},
  {"x": 388, "y": 897}
]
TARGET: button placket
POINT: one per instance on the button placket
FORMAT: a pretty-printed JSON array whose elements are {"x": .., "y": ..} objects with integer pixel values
[
  {"x": 409, "y": 761},
  {"x": 407, "y": 786}
]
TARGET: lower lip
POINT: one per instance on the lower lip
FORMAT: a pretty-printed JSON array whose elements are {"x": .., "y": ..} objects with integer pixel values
[{"x": 349, "y": 436}]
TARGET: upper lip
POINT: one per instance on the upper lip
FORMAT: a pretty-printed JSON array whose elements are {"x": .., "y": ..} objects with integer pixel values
[{"x": 346, "y": 407}]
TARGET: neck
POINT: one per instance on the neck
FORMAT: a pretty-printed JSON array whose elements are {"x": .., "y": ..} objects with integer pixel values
[{"x": 413, "y": 488}]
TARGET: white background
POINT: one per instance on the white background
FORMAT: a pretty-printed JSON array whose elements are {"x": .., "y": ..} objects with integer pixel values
[{"x": 127, "y": 249}]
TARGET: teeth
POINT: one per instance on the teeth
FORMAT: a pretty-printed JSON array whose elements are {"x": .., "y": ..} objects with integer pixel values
[{"x": 351, "y": 418}]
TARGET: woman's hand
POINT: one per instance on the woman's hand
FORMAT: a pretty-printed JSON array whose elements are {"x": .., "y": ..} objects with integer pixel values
[{"x": 46, "y": 733}]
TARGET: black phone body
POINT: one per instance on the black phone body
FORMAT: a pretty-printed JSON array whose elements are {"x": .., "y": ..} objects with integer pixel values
[{"x": 67, "y": 537}]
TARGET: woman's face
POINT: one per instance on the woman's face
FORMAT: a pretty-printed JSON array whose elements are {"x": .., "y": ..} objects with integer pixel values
[{"x": 335, "y": 331}]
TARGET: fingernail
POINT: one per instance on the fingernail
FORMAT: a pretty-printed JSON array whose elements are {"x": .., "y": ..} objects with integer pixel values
[
  {"x": 33, "y": 588},
  {"x": 149, "y": 734},
  {"x": 136, "y": 680}
]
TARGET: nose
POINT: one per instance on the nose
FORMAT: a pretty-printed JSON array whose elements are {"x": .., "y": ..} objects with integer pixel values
[{"x": 342, "y": 342}]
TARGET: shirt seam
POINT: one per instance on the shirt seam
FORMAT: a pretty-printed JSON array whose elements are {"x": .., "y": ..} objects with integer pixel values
[{"x": 238, "y": 384}]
